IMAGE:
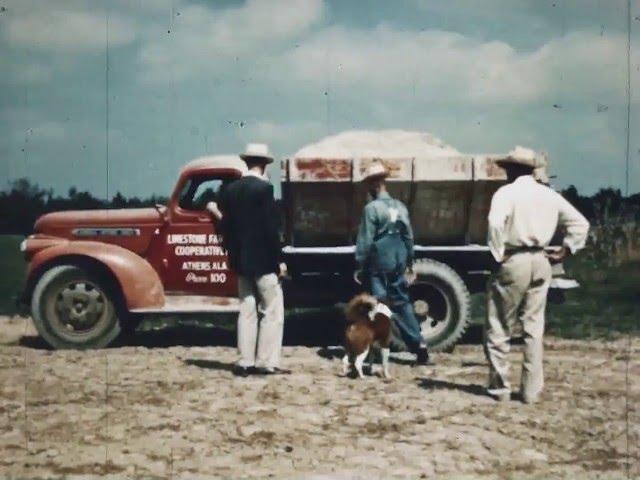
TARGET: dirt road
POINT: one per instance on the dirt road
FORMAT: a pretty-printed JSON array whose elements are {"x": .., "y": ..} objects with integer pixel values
[{"x": 176, "y": 411}]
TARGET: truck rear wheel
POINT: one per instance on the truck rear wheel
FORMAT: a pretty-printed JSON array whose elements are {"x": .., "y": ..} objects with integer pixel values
[
  {"x": 441, "y": 302},
  {"x": 74, "y": 308}
]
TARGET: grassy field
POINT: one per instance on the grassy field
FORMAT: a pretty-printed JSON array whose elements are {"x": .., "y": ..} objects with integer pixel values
[{"x": 606, "y": 305}]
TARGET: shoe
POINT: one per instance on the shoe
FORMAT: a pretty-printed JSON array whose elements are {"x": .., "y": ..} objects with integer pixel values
[
  {"x": 500, "y": 394},
  {"x": 422, "y": 356},
  {"x": 271, "y": 371},
  {"x": 240, "y": 371}
]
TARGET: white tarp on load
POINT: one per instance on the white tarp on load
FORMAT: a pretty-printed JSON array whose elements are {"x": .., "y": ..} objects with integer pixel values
[
  {"x": 409, "y": 155},
  {"x": 345, "y": 157},
  {"x": 381, "y": 143}
]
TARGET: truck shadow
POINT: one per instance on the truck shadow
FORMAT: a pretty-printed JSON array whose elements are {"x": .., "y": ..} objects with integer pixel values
[{"x": 310, "y": 328}]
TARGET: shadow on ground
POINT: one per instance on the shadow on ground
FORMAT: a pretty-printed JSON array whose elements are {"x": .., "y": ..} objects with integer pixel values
[
  {"x": 317, "y": 328},
  {"x": 312, "y": 329},
  {"x": 432, "y": 384}
]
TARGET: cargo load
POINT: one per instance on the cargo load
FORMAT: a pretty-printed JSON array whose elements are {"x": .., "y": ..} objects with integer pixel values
[{"x": 448, "y": 193}]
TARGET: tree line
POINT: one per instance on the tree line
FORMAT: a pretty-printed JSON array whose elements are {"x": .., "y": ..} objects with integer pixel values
[{"x": 24, "y": 201}]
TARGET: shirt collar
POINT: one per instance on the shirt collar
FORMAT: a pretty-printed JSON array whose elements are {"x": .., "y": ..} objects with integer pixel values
[
  {"x": 524, "y": 179},
  {"x": 382, "y": 195},
  {"x": 251, "y": 173}
]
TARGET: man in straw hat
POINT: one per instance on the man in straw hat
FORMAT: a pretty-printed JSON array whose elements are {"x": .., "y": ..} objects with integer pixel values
[
  {"x": 523, "y": 217},
  {"x": 384, "y": 252},
  {"x": 250, "y": 225}
]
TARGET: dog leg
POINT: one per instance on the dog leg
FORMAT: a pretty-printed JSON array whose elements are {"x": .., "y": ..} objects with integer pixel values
[
  {"x": 385, "y": 362},
  {"x": 359, "y": 361},
  {"x": 370, "y": 361},
  {"x": 345, "y": 364}
]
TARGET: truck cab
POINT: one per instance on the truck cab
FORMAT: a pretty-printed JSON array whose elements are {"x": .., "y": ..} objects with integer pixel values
[{"x": 91, "y": 274}]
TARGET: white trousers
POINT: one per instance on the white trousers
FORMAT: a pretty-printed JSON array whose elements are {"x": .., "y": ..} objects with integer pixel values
[
  {"x": 260, "y": 340},
  {"x": 517, "y": 292}
]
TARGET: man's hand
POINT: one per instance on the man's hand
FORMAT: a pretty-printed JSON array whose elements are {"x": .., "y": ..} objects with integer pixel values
[
  {"x": 557, "y": 256},
  {"x": 283, "y": 270},
  {"x": 410, "y": 276},
  {"x": 212, "y": 208}
]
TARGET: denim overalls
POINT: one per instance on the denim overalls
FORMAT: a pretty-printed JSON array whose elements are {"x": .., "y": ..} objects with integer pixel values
[{"x": 384, "y": 250}]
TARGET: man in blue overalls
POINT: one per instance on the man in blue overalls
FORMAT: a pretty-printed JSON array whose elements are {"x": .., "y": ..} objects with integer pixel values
[{"x": 384, "y": 253}]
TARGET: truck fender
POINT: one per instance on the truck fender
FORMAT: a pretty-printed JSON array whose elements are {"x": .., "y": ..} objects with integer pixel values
[{"x": 139, "y": 283}]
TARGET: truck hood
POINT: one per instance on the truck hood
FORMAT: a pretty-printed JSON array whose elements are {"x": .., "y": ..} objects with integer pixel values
[
  {"x": 52, "y": 223},
  {"x": 132, "y": 229}
]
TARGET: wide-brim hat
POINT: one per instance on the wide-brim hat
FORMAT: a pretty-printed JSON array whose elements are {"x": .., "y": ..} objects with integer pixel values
[
  {"x": 375, "y": 170},
  {"x": 522, "y": 156},
  {"x": 257, "y": 152}
]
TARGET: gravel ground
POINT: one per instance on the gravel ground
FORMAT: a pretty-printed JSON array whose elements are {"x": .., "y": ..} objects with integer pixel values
[{"x": 167, "y": 409}]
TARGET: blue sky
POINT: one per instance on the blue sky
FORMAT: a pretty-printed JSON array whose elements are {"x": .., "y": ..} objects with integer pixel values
[{"x": 188, "y": 78}]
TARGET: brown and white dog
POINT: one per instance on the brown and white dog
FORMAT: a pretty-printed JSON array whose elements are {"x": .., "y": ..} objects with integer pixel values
[{"x": 368, "y": 325}]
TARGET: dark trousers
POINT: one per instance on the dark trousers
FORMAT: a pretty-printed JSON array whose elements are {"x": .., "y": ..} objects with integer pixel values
[{"x": 393, "y": 288}]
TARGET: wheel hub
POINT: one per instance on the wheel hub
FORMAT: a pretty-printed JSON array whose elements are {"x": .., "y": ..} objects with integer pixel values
[
  {"x": 432, "y": 309},
  {"x": 79, "y": 306}
]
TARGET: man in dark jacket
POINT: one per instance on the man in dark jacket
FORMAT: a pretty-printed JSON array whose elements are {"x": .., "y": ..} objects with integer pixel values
[{"x": 250, "y": 226}]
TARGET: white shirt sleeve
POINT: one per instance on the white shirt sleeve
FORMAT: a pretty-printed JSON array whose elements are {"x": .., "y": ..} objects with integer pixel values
[
  {"x": 498, "y": 214},
  {"x": 574, "y": 223}
]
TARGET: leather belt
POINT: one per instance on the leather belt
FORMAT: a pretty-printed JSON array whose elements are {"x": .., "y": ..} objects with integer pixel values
[{"x": 523, "y": 249}]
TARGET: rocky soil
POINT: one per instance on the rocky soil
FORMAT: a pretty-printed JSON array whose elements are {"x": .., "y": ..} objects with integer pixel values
[{"x": 162, "y": 407}]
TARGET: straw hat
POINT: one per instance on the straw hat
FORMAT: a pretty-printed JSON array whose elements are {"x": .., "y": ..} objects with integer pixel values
[
  {"x": 257, "y": 151},
  {"x": 375, "y": 170},
  {"x": 522, "y": 156}
]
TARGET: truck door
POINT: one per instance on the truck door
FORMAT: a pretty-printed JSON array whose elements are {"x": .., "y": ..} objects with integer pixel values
[{"x": 194, "y": 259}]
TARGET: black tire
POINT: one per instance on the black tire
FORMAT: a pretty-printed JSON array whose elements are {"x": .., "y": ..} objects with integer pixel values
[
  {"x": 448, "y": 302},
  {"x": 129, "y": 323},
  {"x": 75, "y": 308}
]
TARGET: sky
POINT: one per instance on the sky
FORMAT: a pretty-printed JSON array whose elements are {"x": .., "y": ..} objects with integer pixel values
[{"x": 115, "y": 96}]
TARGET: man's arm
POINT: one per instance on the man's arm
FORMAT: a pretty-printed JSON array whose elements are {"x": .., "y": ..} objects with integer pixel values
[
  {"x": 498, "y": 214},
  {"x": 225, "y": 224},
  {"x": 272, "y": 221},
  {"x": 365, "y": 234},
  {"x": 575, "y": 225},
  {"x": 407, "y": 236}
]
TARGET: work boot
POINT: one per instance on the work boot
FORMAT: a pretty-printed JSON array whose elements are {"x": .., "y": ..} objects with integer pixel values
[
  {"x": 422, "y": 356},
  {"x": 240, "y": 371}
]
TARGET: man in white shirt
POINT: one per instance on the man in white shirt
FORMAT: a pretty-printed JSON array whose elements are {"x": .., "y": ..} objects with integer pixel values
[{"x": 524, "y": 216}]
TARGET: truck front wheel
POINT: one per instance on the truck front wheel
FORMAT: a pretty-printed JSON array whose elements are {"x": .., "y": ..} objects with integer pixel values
[
  {"x": 441, "y": 303},
  {"x": 74, "y": 308}
]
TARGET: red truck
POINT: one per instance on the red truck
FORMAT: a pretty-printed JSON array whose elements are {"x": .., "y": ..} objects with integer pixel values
[{"x": 94, "y": 274}]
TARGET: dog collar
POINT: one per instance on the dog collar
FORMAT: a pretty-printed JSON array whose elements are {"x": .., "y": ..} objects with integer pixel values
[{"x": 379, "y": 308}]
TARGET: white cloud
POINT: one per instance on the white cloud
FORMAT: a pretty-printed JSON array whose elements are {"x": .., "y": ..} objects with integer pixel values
[
  {"x": 452, "y": 67},
  {"x": 205, "y": 40},
  {"x": 284, "y": 138},
  {"x": 51, "y": 29}
]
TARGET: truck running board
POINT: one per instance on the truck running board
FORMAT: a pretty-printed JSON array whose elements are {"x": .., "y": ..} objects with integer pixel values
[{"x": 194, "y": 304}]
